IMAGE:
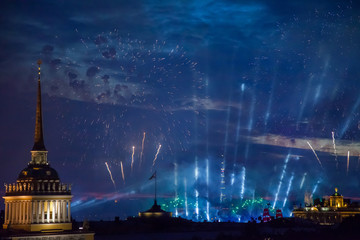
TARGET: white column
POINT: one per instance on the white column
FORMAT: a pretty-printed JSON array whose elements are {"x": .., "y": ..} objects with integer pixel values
[
  {"x": 19, "y": 212},
  {"x": 26, "y": 209},
  {"x": 63, "y": 212},
  {"x": 56, "y": 207},
  {"x": 53, "y": 211},
  {"x": 13, "y": 212},
  {"x": 48, "y": 211},
  {"x": 7, "y": 209},
  {"x": 16, "y": 205},
  {"x": 59, "y": 210},
  {"x": 13, "y": 206},
  {"x": 69, "y": 212},
  {"x": 9, "y": 214},
  {"x": 23, "y": 212},
  {"x": 42, "y": 211},
  {"x": 30, "y": 212},
  {"x": 6, "y": 212},
  {"x": 16, "y": 212},
  {"x": 28, "y": 220},
  {"x": 33, "y": 211},
  {"x": 37, "y": 211}
]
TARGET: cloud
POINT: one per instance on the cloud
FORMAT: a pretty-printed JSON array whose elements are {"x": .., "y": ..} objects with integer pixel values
[{"x": 319, "y": 144}]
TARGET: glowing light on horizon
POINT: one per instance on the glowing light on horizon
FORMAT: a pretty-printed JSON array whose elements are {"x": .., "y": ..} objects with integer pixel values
[
  {"x": 197, "y": 204},
  {"x": 223, "y": 162},
  {"x": 350, "y": 118},
  {"x": 176, "y": 185},
  {"x": 111, "y": 177},
  {"x": 208, "y": 210},
  {"x": 186, "y": 200},
  {"x": 207, "y": 193},
  {"x": 288, "y": 189},
  {"x": 315, "y": 154},
  {"x": 303, "y": 180},
  {"x": 237, "y": 136},
  {"x": 243, "y": 176},
  {"x": 315, "y": 188},
  {"x": 196, "y": 176},
  {"x": 281, "y": 179}
]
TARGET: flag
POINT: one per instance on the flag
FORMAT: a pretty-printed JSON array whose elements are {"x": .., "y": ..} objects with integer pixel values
[{"x": 153, "y": 176}]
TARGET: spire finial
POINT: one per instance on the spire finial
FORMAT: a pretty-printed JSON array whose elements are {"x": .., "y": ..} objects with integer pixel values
[{"x": 38, "y": 139}]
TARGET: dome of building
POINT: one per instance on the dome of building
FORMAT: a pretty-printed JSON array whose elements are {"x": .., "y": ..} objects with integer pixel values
[
  {"x": 38, "y": 201},
  {"x": 38, "y": 172}
]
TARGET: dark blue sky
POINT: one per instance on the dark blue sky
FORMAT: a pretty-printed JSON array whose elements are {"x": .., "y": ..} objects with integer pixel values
[{"x": 246, "y": 83}]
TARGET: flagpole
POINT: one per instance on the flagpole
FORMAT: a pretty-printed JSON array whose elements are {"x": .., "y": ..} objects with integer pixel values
[{"x": 155, "y": 187}]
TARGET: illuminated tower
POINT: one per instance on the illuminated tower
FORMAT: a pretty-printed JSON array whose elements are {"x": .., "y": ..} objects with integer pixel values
[
  {"x": 38, "y": 201},
  {"x": 336, "y": 200}
]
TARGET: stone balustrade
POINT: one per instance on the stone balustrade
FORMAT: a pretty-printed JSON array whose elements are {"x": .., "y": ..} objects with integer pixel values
[{"x": 37, "y": 187}]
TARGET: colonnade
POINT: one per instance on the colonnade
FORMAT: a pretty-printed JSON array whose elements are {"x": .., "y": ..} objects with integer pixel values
[{"x": 37, "y": 211}]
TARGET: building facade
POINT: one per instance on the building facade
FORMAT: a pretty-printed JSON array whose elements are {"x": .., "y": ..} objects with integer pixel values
[
  {"x": 38, "y": 201},
  {"x": 329, "y": 210}
]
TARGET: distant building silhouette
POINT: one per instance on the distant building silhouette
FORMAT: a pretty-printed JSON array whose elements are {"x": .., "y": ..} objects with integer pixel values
[{"x": 155, "y": 211}]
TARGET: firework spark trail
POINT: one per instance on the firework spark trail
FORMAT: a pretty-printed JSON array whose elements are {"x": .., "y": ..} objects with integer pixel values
[
  {"x": 267, "y": 115},
  {"x": 243, "y": 175},
  {"x": 315, "y": 188},
  {"x": 107, "y": 166},
  {"x": 142, "y": 148},
  {"x": 132, "y": 158},
  {"x": 288, "y": 189},
  {"x": 334, "y": 145},
  {"x": 348, "y": 163},
  {"x": 122, "y": 171},
  {"x": 304, "y": 101},
  {"x": 156, "y": 155},
  {"x": 303, "y": 180},
  {"x": 281, "y": 178},
  {"x": 315, "y": 154}
]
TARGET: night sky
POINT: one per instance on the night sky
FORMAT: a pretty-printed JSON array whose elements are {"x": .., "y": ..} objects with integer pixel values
[{"x": 247, "y": 87}]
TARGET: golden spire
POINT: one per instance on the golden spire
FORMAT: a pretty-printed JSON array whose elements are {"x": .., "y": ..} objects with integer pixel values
[{"x": 38, "y": 139}]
